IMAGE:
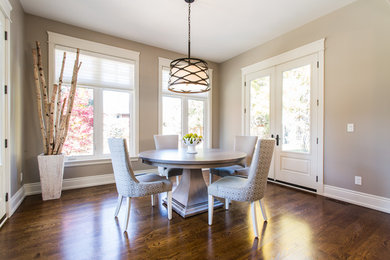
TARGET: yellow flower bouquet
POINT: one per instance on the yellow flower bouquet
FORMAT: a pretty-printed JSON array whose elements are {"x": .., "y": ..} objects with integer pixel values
[{"x": 191, "y": 140}]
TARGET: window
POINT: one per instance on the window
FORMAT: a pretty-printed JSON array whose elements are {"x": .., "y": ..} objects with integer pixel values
[
  {"x": 106, "y": 101},
  {"x": 183, "y": 113}
]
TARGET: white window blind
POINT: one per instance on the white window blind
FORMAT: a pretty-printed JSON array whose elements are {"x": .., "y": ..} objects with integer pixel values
[{"x": 97, "y": 70}]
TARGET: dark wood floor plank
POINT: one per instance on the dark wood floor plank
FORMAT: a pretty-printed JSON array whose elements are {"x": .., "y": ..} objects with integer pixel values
[{"x": 301, "y": 225}]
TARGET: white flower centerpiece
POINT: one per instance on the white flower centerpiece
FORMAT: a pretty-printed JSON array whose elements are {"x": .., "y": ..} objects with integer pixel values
[{"x": 191, "y": 140}]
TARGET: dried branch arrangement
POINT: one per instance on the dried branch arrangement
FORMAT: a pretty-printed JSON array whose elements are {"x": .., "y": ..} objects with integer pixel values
[{"x": 54, "y": 121}]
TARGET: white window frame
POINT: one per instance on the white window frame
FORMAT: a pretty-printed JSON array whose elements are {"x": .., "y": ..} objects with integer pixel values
[
  {"x": 72, "y": 42},
  {"x": 165, "y": 63}
]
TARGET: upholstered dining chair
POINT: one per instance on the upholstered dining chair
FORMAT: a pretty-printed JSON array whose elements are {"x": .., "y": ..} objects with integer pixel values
[
  {"x": 244, "y": 144},
  {"x": 168, "y": 142},
  {"x": 251, "y": 189},
  {"x": 130, "y": 186}
]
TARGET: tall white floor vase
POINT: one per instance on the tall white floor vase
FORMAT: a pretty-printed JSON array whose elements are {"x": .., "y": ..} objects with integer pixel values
[{"x": 51, "y": 172}]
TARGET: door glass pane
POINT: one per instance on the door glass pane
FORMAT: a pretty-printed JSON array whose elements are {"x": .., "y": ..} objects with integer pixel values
[
  {"x": 296, "y": 110},
  {"x": 171, "y": 113},
  {"x": 80, "y": 135},
  {"x": 259, "y": 110},
  {"x": 116, "y": 117},
  {"x": 196, "y": 116}
]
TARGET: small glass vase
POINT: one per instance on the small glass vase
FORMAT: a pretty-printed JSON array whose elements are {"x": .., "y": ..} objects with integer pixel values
[{"x": 191, "y": 149}]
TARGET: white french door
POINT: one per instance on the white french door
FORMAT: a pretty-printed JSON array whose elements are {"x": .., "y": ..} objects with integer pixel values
[
  {"x": 2, "y": 119},
  {"x": 296, "y": 122},
  {"x": 260, "y": 106},
  {"x": 281, "y": 102}
]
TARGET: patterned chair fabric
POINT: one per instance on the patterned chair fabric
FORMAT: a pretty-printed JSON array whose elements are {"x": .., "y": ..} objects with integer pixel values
[
  {"x": 247, "y": 145},
  {"x": 126, "y": 183},
  {"x": 244, "y": 144},
  {"x": 167, "y": 142},
  {"x": 253, "y": 188}
]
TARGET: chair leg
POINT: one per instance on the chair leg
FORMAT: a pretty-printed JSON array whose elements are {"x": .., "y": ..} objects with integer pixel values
[
  {"x": 177, "y": 179},
  {"x": 227, "y": 202},
  {"x": 128, "y": 213},
  {"x": 210, "y": 178},
  {"x": 211, "y": 209},
  {"x": 263, "y": 211},
  {"x": 152, "y": 198},
  {"x": 169, "y": 204},
  {"x": 254, "y": 219},
  {"x": 118, "y": 205}
]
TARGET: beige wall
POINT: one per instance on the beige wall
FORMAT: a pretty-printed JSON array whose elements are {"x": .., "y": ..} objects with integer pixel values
[
  {"x": 36, "y": 29},
  {"x": 16, "y": 84},
  {"x": 357, "y": 90}
]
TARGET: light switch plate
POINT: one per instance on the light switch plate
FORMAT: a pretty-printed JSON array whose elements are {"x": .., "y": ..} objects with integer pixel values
[
  {"x": 350, "y": 128},
  {"x": 358, "y": 180}
]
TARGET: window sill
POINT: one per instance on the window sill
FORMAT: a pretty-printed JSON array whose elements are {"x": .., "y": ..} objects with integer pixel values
[{"x": 85, "y": 162}]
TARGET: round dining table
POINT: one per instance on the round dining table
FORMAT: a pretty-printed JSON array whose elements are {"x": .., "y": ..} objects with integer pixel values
[{"x": 190, "y": 197}]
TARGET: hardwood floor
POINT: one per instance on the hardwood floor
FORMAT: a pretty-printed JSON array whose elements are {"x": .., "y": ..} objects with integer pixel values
[{"x": 301, "y": 226}]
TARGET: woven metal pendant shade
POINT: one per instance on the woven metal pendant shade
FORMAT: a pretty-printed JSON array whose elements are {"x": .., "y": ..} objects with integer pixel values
[{"x": 188, "y": 75}]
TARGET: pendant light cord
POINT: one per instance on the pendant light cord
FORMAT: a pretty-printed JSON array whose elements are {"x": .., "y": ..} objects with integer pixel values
[{"x": 189, "y": 29}]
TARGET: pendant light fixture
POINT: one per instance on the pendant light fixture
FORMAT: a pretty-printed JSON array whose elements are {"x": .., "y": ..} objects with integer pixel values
[{"x": 189, "y": 75}]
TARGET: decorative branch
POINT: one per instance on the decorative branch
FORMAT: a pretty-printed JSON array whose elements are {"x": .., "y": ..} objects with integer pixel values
[
  {"x": 45, "y": 90},
  {"x": 51, "y": 118},
  {"x": 53, "y": 121},
  {"x": 61, "y": 125},
  {"x": 72, "y": 93},
  {"x": 58, "y": 115},
  {"x": 39, "y": 100}
]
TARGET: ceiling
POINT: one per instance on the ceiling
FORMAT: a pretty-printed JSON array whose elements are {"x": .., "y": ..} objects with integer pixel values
[{"x": 220, "y": 29}]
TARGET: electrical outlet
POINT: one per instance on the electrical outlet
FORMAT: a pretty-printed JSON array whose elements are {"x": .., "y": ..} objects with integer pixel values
[
  {"x": 350, "y": 128},
  {"x": 358, "y": 180}
]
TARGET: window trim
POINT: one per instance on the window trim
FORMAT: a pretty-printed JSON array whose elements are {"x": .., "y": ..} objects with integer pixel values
[
  {"x": 163, "y": 62},
  {"x": 90, "y": 46}
]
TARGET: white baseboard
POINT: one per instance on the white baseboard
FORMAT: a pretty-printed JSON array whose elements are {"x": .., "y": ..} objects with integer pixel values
[
  {"x": 68, "y": 184},
  {"x": 80, "y": 182},
  {"x": 16, "y": 200},
  {"x": 358, "y": 198},
  {"x": 73, "y": 183}
]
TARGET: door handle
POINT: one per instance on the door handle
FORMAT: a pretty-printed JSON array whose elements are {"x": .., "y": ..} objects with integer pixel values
[{"x": 277, "y": 140}]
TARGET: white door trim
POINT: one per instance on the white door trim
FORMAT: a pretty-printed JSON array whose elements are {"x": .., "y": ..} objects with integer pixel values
[
  {"x": 311, "y": 48},
  {"x": 5, "y": 8},
  {"x": 317, "y": 47}
]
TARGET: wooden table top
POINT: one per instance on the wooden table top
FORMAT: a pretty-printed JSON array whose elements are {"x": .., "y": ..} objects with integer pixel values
[{"x": 181, "y": 159}]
